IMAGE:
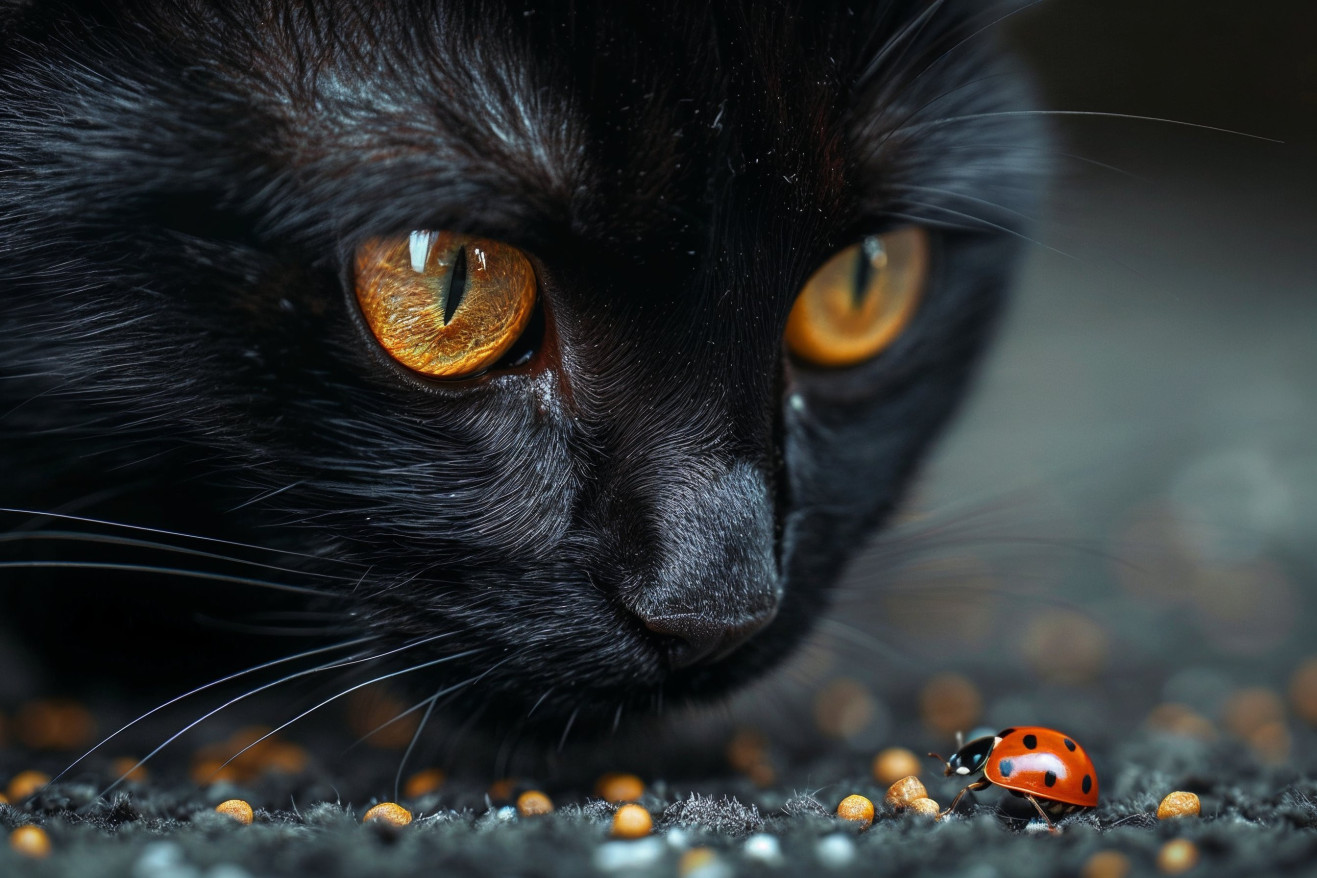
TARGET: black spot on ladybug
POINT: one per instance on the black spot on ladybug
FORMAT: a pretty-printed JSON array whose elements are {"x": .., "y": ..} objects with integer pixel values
[
  {"x": 1031, "y": 741},
  {"x": 1006, "y": 767},
  {"x": 1050, "y": 778},
  {"x": 1069, "y": 744},
  {"x": 1004, "y": 732},
  {"x": 1087, "y": 785}
]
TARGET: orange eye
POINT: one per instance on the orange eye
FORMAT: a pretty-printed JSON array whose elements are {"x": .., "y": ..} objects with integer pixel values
[
  {"x": 444, "y": 304},
  {"x": 860, "y": 300}
]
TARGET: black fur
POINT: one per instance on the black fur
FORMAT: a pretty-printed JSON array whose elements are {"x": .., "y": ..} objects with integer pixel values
[{"x": 182, "y": 184}]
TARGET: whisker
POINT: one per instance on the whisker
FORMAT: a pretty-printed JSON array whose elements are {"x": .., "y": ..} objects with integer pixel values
[
  {"x": 411, "y": 745},
  {"x": 105, "y": 539},
  {"x": 164, "y": 571},
  {"x": 347, "y": 644},
  {"x": 979, "y": 223},
  {"x": 162, "y": 532},
  {"x": 304, "y": 673},
  {"x": 987, "y": 27},
  {"x": 349, "y": 691},
  {"x": 968, "y": 117}
]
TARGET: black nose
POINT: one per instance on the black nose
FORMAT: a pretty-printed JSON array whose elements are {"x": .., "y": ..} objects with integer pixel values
[{"x": 699, "y": 640}]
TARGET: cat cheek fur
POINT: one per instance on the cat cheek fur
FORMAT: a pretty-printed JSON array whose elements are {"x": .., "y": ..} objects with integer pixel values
[{"x": 659, "y": 505}]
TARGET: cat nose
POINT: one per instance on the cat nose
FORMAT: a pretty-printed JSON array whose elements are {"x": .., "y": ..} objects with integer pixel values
[{"x": 697, "y": 640}]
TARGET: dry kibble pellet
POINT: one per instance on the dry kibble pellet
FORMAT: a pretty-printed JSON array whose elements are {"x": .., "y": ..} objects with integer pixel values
[
  {"x": 857, "y": 809},
  {"x": 1176, "y": 856},
  {"x": 533, "y": 803},
  {"x": 128, "y": 769},
  {"x": 236, "y": 809},
  {"x": 949, "y": 703},
  {"x": 4, "y": 800},
  {"x": 423, "y": 783},
  {"x": 25, "y": 783},
  {"x": 1303, "y": 691},
  {"x": 388, "y": 812},
  {"x": 632, "y": 821},
  {"x": 617, "y": 787},
  {"x": 924, "y": 807},
  {"x": 894, "y": 763},
  {"x": 696, "y": 859},
  {"x": 1106, "y": 864},
  {"x": 30, "y": 841},
  {"x": 905, "y": 791},
  {"x": 1179, "y": 804}
]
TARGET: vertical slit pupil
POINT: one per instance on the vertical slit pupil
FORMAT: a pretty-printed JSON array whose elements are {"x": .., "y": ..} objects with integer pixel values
[{"x": 456, "y": 286}]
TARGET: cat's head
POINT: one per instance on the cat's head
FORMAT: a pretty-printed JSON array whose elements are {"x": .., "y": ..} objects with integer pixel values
[{"x": 646, "y": 493}]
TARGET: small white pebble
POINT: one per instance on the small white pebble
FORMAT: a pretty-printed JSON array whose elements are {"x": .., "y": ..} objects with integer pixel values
[
  {"x": 835, "y": 851},
  {"x": 677, "y": 838},
  {"x": 615, "y": 856},
  {"x": 507, "y": 813},
  {"x": 163, "y": 859},
  {"x": 797, "y": 402},
  {"x": 763, "y": 847},
  {"x": 1037, "y": 826}
]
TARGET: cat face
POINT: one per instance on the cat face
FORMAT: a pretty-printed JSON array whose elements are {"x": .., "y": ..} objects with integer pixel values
[{"x": 649, "y": 495}]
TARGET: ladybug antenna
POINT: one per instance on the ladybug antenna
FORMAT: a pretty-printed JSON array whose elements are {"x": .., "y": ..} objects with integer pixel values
[
  {"x": 946, "y": 766},
  {"x": 960, "y": 739}
]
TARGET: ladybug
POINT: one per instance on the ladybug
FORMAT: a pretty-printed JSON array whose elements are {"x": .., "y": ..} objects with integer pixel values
[{"x": 1045, "y": 766}]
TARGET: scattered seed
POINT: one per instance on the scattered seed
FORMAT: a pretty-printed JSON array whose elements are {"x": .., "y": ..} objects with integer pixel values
[
  {"x": 503, "y": 789},
  {"x": 238, "y": 810},
  {"x": 857, "y": 809},
  {"x": 894, "y": 763},
  {"x": 1248, "y": 710},
  {"x": 388, "y": 812},
  {"x": 55, "y": 724},
  {"x": 924, "y": 807},
  {"x": 25, "y": 783},
  {"x": 1176, "y": 856},
  {"x": 423, "y": 783},
  {"x": 949, "y": 703},
  {"x": 533, "y": 802},
  {"x": 30, "y": 841},
  {"x": 1106, "y": 864},
  {"x": 632, "y": 821},
  {"x": 843, "y": 709},
  {"x": 695, "y": 859},
  {"x": 905, "y": 791},
  {"x": 1181, "y": 720},
  {"x": 617, "y": 787},
  {"x": 126, "y": 767},
  {"x": 1179, "y": 804},
  {"x": 1303, "y": 691}
]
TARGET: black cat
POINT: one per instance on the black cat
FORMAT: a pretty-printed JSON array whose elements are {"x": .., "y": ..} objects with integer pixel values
[{"x": 513, "y": 327}]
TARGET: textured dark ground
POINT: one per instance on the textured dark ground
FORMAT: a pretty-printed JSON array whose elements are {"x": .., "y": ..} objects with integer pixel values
[{"x": 1122, "y": 522}]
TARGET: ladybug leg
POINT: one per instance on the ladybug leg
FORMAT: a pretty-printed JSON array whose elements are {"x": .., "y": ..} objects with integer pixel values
[
  {"x": 977, "y": 786},
  {"x": 1051, "y": 827}
]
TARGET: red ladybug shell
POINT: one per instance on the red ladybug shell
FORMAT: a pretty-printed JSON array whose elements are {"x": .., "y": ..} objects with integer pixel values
[{"x": 1044, "y": 763}]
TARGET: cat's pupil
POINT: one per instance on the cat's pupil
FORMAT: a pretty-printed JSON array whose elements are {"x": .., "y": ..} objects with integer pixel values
[
  {"x": 457, "y": 287},
  {"x": 871, "y": 257}
]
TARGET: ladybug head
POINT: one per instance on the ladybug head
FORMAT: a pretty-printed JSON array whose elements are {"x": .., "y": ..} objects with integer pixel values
[{"x": 970, "y": 758}]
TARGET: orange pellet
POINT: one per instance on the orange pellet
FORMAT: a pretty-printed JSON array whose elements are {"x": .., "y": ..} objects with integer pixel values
[
  {"x": 388, "y": 812},
  {"x": 905, "y": 791},
  {"x": 1106, "y": 864},
  {"x": 4, "y": 800},
  {"x": 1176, "y": 856},
  {"x": 632, "y": 821},
  {"x": 894, "y": 763},
  {"x": 205, "y": 772},
  {"x": 1181, "y": 720},
  {"x": 236, "y": 809},
  {"x": 747, "y": 749},
  {"x": 696, "y": 859},
  {"x": 380, "y": 718},
  {"x": 1179, "y": 804},
  {"x": 949, "y": 703},
  {"x": 26, "y": 783},
  {"x": 533, "y": 802},
  {"x": 30, "y": 841},
  {"x": 501, "y": 790},
  {"x": 924, "y": 807},
  {"x": 126, "y": 767},
  {"x": 1248, "y": 710},
  {"x": 1303, "y": 691},
  {"x": 617, "y": 787},
  {"x": 55, "y": 724},
  {"x": 843, "y": 708},
  {"x": 423, "y": 783},
  {"x": 857, "y": 809}
]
